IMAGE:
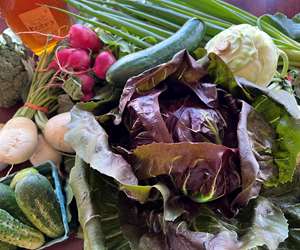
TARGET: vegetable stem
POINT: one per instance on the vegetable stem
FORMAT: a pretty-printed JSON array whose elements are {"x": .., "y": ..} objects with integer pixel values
[
  {"x": 128, "y": 37},
  {"x": 89, "y": 219},
  {"x": 91, "y": 8},
  {"x": 142, "y": 15},
  {"x": 143, "y": 19}
]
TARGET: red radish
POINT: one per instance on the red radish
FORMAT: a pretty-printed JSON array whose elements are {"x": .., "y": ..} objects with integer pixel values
[
  {"x": 87, "y": 97},
  {"x": 82, "y": 37},
  {"x": 87, "y": 83},
  {"x": 71, "y": 59},
  {"x": 102, "y": 63}
]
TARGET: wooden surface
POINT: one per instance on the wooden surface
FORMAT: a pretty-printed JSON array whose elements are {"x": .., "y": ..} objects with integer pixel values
[{"x": 257, "y": 7}]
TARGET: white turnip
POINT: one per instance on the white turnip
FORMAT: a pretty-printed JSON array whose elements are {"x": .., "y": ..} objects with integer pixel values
[
  {"x": 45, "y": 152},
  {"x": 18, "y": 140},
  {"x": 2, "y": 165},
  {"x": 55, "y": 130}
]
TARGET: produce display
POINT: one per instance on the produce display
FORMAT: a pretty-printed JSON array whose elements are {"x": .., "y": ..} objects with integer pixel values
[
  {"x": 173, "y": 124},
  {"x": 30, "y": 213}
]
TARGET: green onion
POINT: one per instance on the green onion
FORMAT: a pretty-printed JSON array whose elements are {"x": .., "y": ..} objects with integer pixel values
[
  {"x": 91, "y": 9},
  {"x": 128, "y": 37},
  {"x": 144, "y": 16},
  {"x": 40, "y": 93},
  {"x": 161, "y": 18},
  {"x": 104, "y": 11}
]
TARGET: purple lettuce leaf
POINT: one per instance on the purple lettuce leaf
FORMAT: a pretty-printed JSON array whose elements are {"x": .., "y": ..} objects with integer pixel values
[
  {"x": 261, "y": 226},
  {"x": 169, "y": 104},
  {"x": 255, "y": 142},
  {"x": 204, "y": 171},
  {"x": 174, "y": 103}
]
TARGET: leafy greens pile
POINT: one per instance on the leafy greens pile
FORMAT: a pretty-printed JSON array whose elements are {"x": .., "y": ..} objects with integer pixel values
[{"x": 195, "y": 159}]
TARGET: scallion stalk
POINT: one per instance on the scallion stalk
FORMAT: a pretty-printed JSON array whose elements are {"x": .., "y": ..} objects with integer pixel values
[
  {"x": 126, "y": 18},
  {"x": 91, "y": 9},
  {"x": 149, "y": 18},
  {"x": 142, "y": 15},
  {"x": 128, "y": 37}
]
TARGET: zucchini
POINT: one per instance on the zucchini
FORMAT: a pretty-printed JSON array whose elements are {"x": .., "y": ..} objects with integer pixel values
[
  {"x": 187, "y": 37},
  {"x": 37, "y": 199},
  {"x": 8, "y": 203},
  {"x": 5, "y": 246},
  {"x": 14, "y": 232}
]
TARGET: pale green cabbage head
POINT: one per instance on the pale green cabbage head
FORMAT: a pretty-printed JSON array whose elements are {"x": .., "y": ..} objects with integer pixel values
[{"x": 249, "y": 52}]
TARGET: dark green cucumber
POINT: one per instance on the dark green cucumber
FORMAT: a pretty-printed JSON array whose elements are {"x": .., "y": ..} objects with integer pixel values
[
  {"x": 8, "y": 203},
  {"x": 5, "y": 246},
  {"x": 14, "y": 232},
  {"x": 187, "y": 37},
  {"x": 37, "y": 199}
]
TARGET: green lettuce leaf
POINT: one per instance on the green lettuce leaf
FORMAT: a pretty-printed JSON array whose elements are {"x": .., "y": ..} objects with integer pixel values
[
  {"x": 72, "y": 87},
  {"x": 245, "y": 90},
  {"x": 155, "y": 233},
  {"x": 97, "y": 201},
  {"x": 142, "y": 193},
  {"x": 268, "y": 226},
  {"x": 287, "y": 197},
  {"x": 90, "y": 142},
  {"x": 118, "y": 46},
  {"x": 222, "y": 75},
  {"x": 289, "y": 26},
  {"x": 260, "y": 224},
  {"x": 287, "y": 146},
  {"x": 105, "y": 99},
  {"x": 293, "y": 242},
  {"x": 278, "y": 107}
]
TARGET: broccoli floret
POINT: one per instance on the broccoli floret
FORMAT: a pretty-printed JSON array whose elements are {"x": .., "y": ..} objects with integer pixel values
[{"x": 13, "y": 74}]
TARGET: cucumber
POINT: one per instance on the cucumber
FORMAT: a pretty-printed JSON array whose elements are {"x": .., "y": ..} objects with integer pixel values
[
  {"x": 14, "y": 232},
  {"x": 21, "y": 174},
  {"x": 187, "y": 37},
  {"x": 5, "y": 246},
  {"x": 37, "y": 199},
  {"x": 8, "y": 203}
]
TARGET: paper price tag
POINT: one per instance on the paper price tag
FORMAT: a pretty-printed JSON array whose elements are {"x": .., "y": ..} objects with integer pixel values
[{"x": 41, "y": 20}]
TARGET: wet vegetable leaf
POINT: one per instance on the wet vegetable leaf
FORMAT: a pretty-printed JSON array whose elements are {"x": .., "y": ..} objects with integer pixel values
[
  {"x": 289, "y": 26},
  {"x": 260, "y": 224},
  {"x": 204, "y": 171},
  {"x": 279, "y": 108},
  {"x": 90, "y": 142},
  {"x": 118, "y": 46},
  {"x": 97, "y": 200},
  {"x": 269, "y": 227},
  {"x": 287, "y": 146},
  {"x": 142, "y": 193},
  {"x": 73, "y": 88},
  {"x": 256, "y": 139}
]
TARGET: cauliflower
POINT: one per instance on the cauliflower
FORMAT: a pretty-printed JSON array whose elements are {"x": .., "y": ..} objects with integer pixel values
[{"x": 15, "y": 70}]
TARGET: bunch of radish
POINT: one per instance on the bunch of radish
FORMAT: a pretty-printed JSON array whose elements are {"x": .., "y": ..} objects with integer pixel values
[{"x": 84, "y": 58}]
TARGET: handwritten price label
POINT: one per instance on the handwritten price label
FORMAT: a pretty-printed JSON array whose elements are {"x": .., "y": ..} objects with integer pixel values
[{"x": 41, "y": 20}]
